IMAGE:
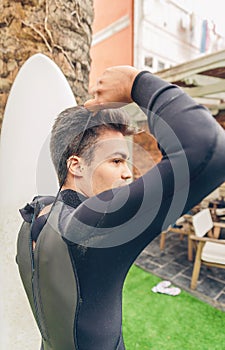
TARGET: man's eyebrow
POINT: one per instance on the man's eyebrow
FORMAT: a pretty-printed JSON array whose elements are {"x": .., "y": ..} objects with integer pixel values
[{"x": 120, "y": 154}]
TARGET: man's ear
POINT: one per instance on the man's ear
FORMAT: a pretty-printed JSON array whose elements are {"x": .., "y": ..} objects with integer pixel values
[{"x": 74, "y": 166}]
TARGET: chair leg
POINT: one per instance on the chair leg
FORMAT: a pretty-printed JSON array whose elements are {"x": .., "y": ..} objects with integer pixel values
[
  {"x": 190, "y": 249},
  {"x": 162, "y": 240},
  {"x": 197, "y": 265},
  {"x": 216, "y": 232},
  {"x": 181, "y": 237}
]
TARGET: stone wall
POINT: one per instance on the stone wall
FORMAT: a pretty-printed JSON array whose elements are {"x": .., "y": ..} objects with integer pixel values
[{"x": 56, "y": 28}]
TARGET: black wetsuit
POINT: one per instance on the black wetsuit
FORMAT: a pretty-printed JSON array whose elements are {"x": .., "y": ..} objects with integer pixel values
[{"x": 102, "y": 236}]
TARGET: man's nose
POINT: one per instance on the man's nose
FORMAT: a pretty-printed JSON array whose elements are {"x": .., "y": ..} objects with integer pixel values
[{"x": 126, "y": 173}]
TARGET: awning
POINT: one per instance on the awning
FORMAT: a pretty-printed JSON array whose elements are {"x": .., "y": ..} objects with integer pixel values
[{"x": 204, "y": 79}]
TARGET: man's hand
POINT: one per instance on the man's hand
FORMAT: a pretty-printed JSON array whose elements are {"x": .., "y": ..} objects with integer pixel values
[{"x": 113, "y": 88}]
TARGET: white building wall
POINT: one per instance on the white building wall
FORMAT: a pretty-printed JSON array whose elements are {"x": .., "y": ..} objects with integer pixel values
[{"x": 169, "y": 34}]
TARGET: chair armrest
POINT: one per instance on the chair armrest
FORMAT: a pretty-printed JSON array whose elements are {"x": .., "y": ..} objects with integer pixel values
[
  {"x": 187, "y": 216},
  {"x": 188, "y": 219},
  {"x": 207, "y": 239},
  {"x": 219, "y": 224}
]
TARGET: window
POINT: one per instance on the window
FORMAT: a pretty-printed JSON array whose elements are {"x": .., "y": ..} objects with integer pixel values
[
  {"x": 161, "y": 65},
  {"x": 149, "y": 61}
]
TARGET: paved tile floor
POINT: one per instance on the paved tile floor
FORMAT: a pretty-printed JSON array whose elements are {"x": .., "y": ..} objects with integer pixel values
[{"x": 172, "y": 264}]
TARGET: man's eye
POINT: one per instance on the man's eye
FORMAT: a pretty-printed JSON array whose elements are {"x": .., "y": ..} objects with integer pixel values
[{"x": 117, "y": 161}]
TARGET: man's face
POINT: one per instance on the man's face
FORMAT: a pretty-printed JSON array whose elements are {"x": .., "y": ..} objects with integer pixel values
[{"x": 108, "y": 168}]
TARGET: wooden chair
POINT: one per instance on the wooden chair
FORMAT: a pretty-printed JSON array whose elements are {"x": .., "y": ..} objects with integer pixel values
[
  {"x": 182, "y": 228},
  {"x": 210, "y": 249},
  {"x": 215, "y": 201},
  {"x": 222, "y": 191}
]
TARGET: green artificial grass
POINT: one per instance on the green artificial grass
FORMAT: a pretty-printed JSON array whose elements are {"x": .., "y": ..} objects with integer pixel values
[{"x": 153, "y": 321}]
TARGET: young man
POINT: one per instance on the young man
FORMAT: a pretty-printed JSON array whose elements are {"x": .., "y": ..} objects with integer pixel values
[
  {"x": 98, "y": 224},
  {"x": 95, "y": 159}
]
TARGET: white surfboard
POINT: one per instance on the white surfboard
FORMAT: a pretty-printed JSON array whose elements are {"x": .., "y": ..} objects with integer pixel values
[{"x": 39, "y": 93}]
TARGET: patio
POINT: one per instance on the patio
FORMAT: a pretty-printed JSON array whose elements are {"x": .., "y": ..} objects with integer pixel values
[{"x": 172, "y": 264}]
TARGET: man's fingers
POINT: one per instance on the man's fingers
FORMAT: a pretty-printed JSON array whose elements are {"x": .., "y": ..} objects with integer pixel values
[
  {"x": 94, "y": 105},
  {"x": 91, "y": 105},
  {"x": 92, "y": 90},
  {"x": 95, "y": 88},
  {"x": 112, "y": 89}
]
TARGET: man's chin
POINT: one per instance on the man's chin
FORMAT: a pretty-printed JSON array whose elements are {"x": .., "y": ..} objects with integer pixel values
[{"x": 120, "y": 184}]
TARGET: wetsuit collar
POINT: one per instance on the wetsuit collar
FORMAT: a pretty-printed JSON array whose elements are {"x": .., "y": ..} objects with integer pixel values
[{"x": 72, "y": 198}]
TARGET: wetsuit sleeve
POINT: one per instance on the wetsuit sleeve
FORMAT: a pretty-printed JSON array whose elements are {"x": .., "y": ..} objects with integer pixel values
[
  {"x": 186, "y": 132},
  {"x": 192, "y": 165}
]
